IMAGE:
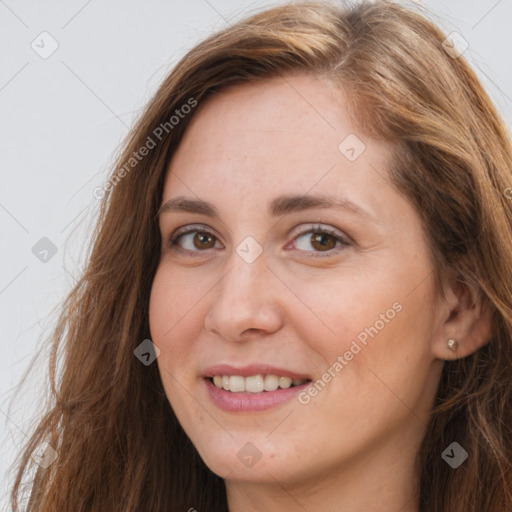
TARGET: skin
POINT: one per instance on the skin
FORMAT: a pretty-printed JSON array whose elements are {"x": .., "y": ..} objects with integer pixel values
[{"x": 353, "y": 446}]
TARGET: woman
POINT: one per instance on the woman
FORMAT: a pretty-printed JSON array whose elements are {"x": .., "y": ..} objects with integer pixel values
[{"x": 298, "y": 296}]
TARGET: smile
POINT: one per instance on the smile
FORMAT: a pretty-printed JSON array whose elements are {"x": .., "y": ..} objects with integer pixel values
[
  {"x": 252, "y": 401},
  {"x": 254, "y": 383}
]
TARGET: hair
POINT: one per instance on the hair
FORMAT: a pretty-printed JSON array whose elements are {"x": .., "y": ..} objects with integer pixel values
[{"x": 120, "y": 446}]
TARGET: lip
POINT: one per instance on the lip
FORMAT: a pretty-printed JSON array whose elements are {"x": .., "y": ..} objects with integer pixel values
[
  {"x": 252, "y": 369},
  {"x": 250, "y": 402}
]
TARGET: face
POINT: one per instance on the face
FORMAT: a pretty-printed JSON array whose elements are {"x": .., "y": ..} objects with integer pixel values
[{"x": 305, "y": 263}]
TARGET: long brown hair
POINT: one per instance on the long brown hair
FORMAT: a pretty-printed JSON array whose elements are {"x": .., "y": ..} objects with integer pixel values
[{"x": 120, "y": 447}]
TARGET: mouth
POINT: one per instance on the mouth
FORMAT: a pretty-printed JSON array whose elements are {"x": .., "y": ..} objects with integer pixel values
[
  {"x": 259, "y": 383},
  {"x": 254, "y": 393}
]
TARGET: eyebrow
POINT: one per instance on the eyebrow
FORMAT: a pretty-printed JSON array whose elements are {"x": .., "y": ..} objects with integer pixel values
[{"x": 281, "y": 205}]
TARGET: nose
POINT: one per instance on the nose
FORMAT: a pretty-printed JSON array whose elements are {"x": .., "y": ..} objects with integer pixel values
[{"x": 245, "y": 302}]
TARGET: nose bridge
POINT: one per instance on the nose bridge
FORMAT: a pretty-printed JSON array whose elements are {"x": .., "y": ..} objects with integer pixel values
[
  {"x": 242, "y": 283},
  {"x": 243, "y": 299}
]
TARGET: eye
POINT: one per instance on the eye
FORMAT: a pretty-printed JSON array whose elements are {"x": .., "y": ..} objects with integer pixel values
[
  {"x": 322, "y": 240},
  {"x": 192, "y": 239},
  {"x": 197, "y": 238}
]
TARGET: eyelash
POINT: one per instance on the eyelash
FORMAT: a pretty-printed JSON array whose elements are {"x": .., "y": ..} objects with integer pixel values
[{"x": 203, "y": 229}]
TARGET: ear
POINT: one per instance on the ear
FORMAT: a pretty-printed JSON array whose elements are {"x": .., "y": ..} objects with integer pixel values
[{"x": 465, "y": 319}]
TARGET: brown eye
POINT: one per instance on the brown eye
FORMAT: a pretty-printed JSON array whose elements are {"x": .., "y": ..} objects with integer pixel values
[
  {"x": 192, "y": 240},
  {"x": 323, "y": 241},
  {"x": 203, "y": 240}
]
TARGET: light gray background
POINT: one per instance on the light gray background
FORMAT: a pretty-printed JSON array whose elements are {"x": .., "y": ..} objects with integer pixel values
[{"x": 63, "y": 117}]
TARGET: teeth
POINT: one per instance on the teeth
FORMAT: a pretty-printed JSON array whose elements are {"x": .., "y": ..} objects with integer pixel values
[
  {"x": 285, "y": 382},
  {"x": 236, "y": 383},
  {"x": 271, "y": 383},
  {"x": 254, "y": 383}
]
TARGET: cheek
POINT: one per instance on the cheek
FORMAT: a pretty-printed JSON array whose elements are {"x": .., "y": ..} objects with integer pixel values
[
  {"x": 171, "y": 311},
  {"x": 384, "y": 366},
  {"x": 173, "y": 307},
  {"x": 336, "y": 315},
  {"x": 175, "y": 296},
  {"x": 366, "y": 327}
]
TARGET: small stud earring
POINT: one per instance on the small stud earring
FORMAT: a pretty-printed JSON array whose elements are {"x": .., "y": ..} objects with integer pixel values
[{"x": 453, "y": 344}]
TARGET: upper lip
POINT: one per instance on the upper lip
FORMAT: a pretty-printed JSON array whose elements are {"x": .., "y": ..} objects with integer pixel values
[{"x": 252, "y": 369}]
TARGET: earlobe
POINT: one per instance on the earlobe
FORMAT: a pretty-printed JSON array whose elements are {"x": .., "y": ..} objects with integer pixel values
[{"x": 453, "y": 344}]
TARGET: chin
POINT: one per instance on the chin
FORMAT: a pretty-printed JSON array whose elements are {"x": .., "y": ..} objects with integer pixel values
[{"x": 241, "y": 459}]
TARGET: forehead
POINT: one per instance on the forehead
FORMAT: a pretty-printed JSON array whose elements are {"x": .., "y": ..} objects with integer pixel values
[
  {"x": 271, "y": 115},
  {"x": 287, "y": 135}
]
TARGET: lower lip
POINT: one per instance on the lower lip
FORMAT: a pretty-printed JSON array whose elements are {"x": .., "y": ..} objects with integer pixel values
[{"x": 250, "y": 402}]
